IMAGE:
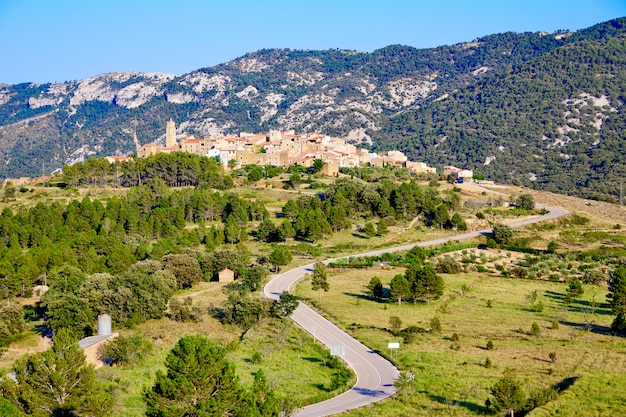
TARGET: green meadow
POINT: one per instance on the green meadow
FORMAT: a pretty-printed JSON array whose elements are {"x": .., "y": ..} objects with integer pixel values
[{"x": 453, "y": 377}]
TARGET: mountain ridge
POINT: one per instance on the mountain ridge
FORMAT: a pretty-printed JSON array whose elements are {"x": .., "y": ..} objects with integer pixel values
[{"x": 357, "y": 95}]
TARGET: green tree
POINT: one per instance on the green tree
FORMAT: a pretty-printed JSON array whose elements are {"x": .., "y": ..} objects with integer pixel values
[
  {"x": 319, "y": 279},
  {"x": 294, "y": 180},
  {"x": 318, "y": 164},
  {"x": 525, "y": 201},
  {"x": 395, "y": 323},
  {"x": 535, "y": 330},
  {"x": 405, "y": 384},
  {"x": 369, "y": 229},
  {"x": 58, "y": 382},
  {"x": 253, "y": 277},
  {"x": 507, "y": 396},
  {"x": 458, "y": 222},
  {"x": 263, "y": 397},
  {"x": 125, "y": 350},
  {"x": 502, "y": 234},
  {"x": 575, "y": 288},
  {"x": 285, "y": 305},
  {"x": 617, "y": 298},
  {"x": 552, "y": 247},
  {"x": 11, "y": 319},
  {"x": 381, "y": 227},
  {"x": 184, "y": 267},
  {"x": 69, "y": 312},
  {"x": 285, "y": 231},
  {"x": 375, "y": 287},
  {"x": 280, "y": 256},
  {"x": 200, "y": 381},
  {"x": 255, "y": 174},
  {"x": 400, "y": 288},
  {"x": 7, "y": 409},
  {"x": 424, "y": 282},
  {"x": 244, "y": 310}
]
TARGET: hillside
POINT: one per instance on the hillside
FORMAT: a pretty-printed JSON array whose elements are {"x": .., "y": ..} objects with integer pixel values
[
  {"x": 554, "y": 122},
  {"x": 487, "y": 104}
]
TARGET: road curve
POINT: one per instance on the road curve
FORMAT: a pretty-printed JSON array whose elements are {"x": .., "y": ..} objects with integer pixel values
[{"x": 375, "y": 374}]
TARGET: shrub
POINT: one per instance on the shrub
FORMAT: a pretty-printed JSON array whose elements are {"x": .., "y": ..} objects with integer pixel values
[
  {"x": 552, "y": 356},
  {"x": 555, "y": 325},
  {"x": 455, "y": 337},
  {"x": 537, "y": 307},
  {"x": 594, "y": 276},
  {"x": 123, "y": 350},
  {"x": 257, "y": 357},
  {"x": 535, "y": 330},
  {"x": 519, "y": 272},
  {"x": 489, "y": 345},
  {"x": 411, "y": 332},
  {"x": 395, "y": 323},
  {"x": 539, "y": 398},
  {"x": 184, "y": 311},
  {"x": 575, "y": 288},
  {"x": 448, "y": 265},
  {"x": 435, "y": 325},
  {"x": 487, "y": 363}
]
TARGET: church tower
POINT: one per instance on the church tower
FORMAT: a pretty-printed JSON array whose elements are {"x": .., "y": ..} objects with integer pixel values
[{"x": 170, "y": 134}]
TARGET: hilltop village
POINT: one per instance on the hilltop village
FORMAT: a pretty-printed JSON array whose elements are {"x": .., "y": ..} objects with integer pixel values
[{"x": 281, "y": 149}]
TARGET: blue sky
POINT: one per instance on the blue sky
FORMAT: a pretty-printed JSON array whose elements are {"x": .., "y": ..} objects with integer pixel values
[{"x": 61, "y": 40}]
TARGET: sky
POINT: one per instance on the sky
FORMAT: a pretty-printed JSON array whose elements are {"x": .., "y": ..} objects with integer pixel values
[{"x": 64, "y": 40}]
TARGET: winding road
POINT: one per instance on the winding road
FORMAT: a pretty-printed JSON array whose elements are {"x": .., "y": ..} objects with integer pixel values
[{"x": 375, "y": 374}]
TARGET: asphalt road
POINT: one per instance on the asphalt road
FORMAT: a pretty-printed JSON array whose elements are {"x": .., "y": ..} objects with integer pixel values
[{"x": 375, "y": 375}]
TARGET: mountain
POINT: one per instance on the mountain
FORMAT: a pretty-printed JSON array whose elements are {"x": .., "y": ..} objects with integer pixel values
[{"x": 524, "y": 106}]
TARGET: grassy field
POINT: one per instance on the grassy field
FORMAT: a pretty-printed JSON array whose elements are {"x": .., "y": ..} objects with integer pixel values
[
  {"x": 294, "y": 366},
  {"x": 451, "y": 377}
]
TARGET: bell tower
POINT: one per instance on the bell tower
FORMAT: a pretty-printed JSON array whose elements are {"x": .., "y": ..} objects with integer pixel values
[{"x": 170, "y": 134}]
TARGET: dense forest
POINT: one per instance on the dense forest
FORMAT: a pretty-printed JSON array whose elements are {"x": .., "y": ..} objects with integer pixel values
[{"x": 551, "y": 122}]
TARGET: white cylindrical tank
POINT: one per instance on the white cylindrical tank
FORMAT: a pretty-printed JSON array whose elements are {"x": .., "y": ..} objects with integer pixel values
[{"x": 104, "y": 324}]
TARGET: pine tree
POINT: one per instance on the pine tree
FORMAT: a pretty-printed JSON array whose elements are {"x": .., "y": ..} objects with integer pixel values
[
  {"x": 319, "y": 280},
  {"x": 617, "y": 298},
  {"x": 201, "y": 382},
  {"x": 375, "y": 287},
  {"x": 59, "y": 382},
  {"x": 400, "y": 288},
  {"x": 508, "y": 395}
]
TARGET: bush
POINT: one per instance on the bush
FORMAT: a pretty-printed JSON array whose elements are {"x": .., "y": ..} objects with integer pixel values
[
  {"x": 448, "y": 265},
  {"x": 411, "y": 332},
  {"x": 455, "y": 337},
  {"x": 539, "y": 398},
  {"x": 535, "y": 330},
  {"x": 184, "y": 311},
  {"x": 593, "y": 276},
  {"x": 487, "y": 363},
  {"x": 395, "y": 323},
  {"x": 552, "y": 356},
  {"x": 537, "y": 307},
  {"x": 489, "y": 345},
  {"x": 127, "y": 351},
  {"x": 435, "y": 325}
]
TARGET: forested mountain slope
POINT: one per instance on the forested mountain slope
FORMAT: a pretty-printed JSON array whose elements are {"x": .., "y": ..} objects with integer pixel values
[
  {"x": 497, "y": 96},
  {"x": 554, "y": 122}
]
